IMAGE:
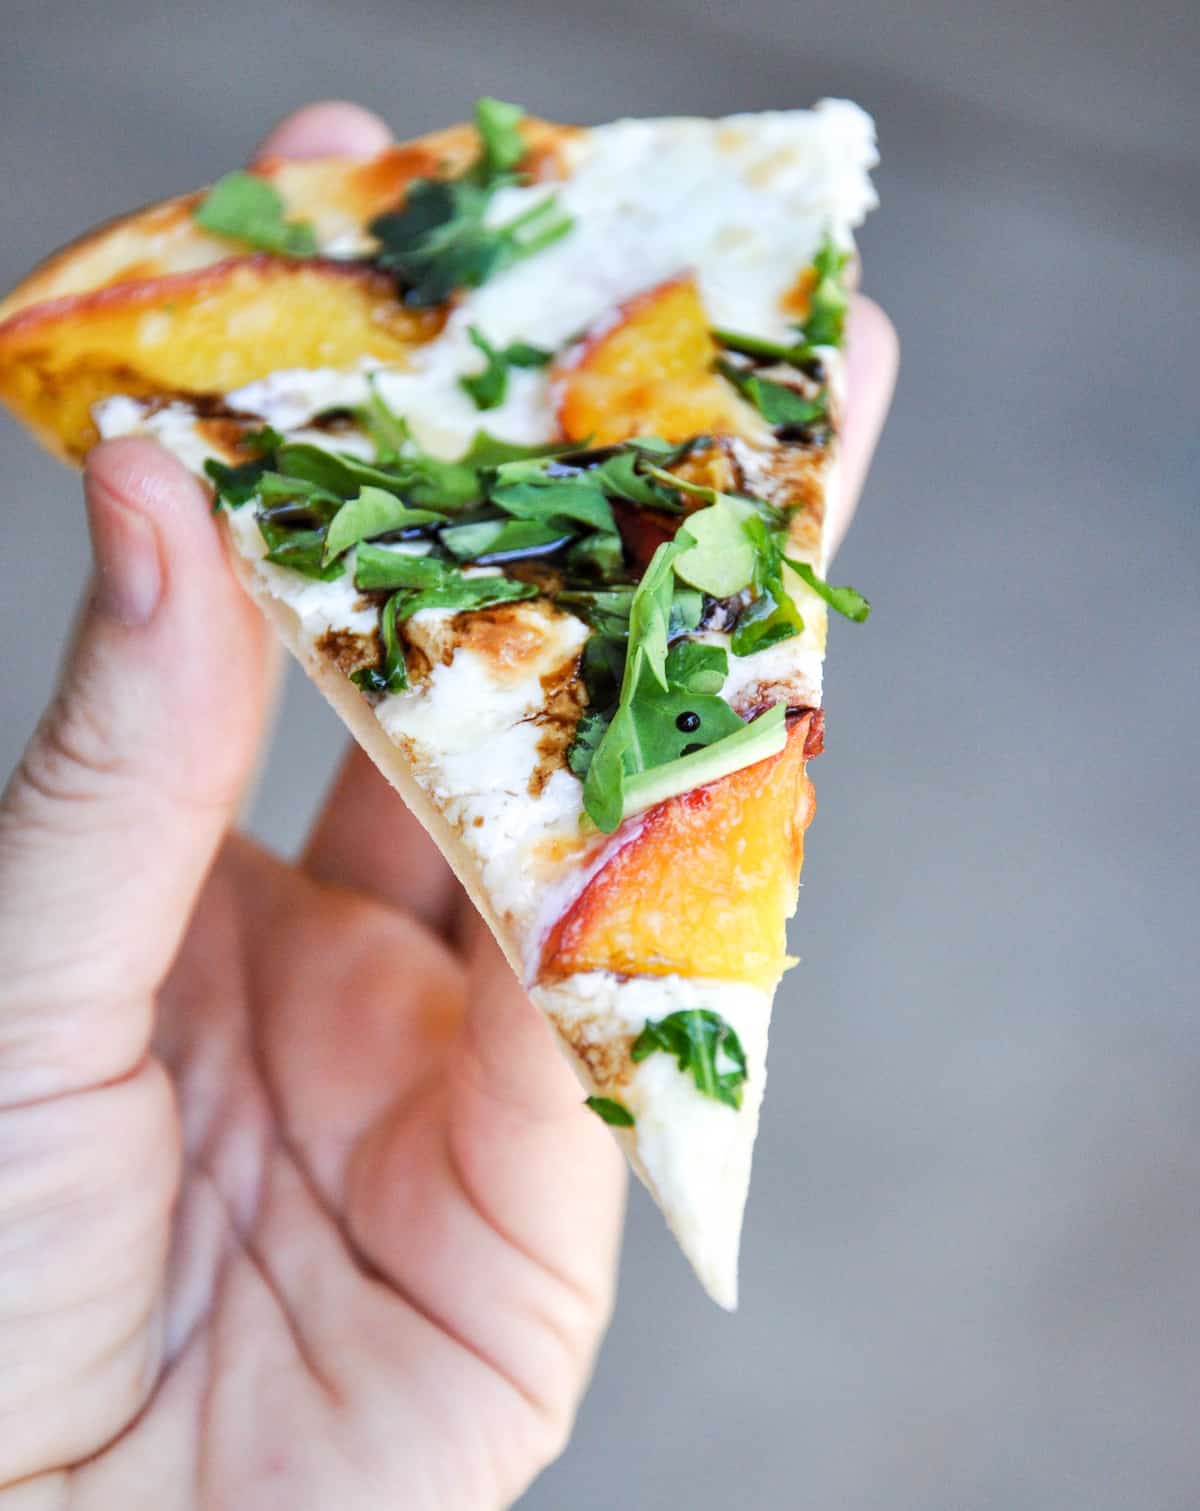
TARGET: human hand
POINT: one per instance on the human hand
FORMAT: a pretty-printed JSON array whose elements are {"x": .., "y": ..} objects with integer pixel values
[{"x": 298, "y": 1206}]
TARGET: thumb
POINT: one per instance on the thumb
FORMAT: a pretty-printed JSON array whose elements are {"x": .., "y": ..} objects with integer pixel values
[{"x": 110, "y": 822}]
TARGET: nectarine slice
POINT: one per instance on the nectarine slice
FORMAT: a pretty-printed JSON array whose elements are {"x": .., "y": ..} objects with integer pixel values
[
  {"x": 648, "y": 370},
  {"x": 705, "y": 885},
  {"x": 203, "y": 332}
]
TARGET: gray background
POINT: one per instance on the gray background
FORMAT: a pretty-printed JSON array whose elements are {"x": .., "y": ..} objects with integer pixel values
[{"x": 972, "y": 1265}]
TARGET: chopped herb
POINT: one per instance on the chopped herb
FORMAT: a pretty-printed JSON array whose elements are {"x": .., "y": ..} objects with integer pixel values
[
  {"x": 794, "y": 355},
  {"x": 829, "y": 300},
  {"x": 525, "y": 491},
  {"x": 588, "y": 734},
  {"x": 718, "y": 554},
  {"x": 432, "y": 583},
  {"x": 264, "y": 440},
  {"x": 772, "y": 615},
  {"x": 373, "y": 512},
  {"x": 235, "y": 486},
  {"x": 704, "y": 1045},
  {"x": 248, "y": 208},
  {"x": 489, "y": 387},
  {"x": 503, "y": 145},
  {"x": 613, "y": 1113},
  {"x": 440, "y": 241},
  {"x": 392, "y": 675},
  {"x": 644, "y": 750},
  {"x": 776, "y": 402},
  {"x": 599, "y": 554},
  {"x": 697, "y": 668},
  {"x": 301, "y": 550},
  {"x": 489, "y": 540},
  {"x": 846, "y": 601}
]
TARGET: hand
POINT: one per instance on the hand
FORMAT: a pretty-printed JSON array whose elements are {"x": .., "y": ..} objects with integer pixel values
[{"x": 298, "y": 1205}]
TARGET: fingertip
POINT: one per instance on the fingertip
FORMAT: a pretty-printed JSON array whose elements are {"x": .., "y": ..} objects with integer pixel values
[
  {"x": 328, "y": 128},
  {"x": 138, "y": 476},
  {"x": 872, "y": 348},
  {"x": 872, "y": 362}
]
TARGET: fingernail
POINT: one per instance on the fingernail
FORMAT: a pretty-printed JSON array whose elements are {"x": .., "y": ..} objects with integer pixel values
[{"x": 128, "y": 567}]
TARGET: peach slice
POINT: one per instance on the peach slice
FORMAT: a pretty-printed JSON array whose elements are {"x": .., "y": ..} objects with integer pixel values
[
  {"x": 705, "y": 885},
  {"x": 337, "y": 196},
  {"x": 201, "y": 332},
  {"x": 648, "y": 370}
]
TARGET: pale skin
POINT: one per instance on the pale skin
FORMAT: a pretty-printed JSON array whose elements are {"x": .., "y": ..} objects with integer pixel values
[{"x": 299, "y": 1207}]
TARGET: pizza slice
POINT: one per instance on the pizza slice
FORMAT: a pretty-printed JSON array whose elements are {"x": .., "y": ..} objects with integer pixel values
[{"x": 521, "y": 435}]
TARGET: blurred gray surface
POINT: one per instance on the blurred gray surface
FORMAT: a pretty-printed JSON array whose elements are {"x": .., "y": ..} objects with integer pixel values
[{"x": 972, "y": 1261}]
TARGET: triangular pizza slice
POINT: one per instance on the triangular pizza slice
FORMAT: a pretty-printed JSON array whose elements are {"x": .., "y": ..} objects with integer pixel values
[{"x": 521, "y": 436}]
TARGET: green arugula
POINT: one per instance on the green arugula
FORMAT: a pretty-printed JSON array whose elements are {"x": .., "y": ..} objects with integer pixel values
[
  {"x": 440, "y": 241},
  {"x": 489, "y": 387},
  {"x": 846, "y": 601},
  {"x": 248, "y": 208},
  {"x": 392, "y": 675},
  {"x": 616, "y": 1114},
  {"x": 427, "y": 582},
  {"x": 501, "y": 142},
  {"x": 301, "y": 550},
  {"x": 234, "y": 486},
  {"x": 829, "y": 301},
  {"x": 491, "y": 540},
  {"x": 666, "y": 733},
  {"x": 705, "y": 1045},
  {"x": 373, "y": 512},
  {"x": 777, "y": 403}
]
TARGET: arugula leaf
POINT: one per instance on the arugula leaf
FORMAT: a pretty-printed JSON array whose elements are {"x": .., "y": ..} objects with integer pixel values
[
  {"x": 718, "y": 554},
  {"x": 430, "y": 583},
  {"x": 440, "y": 241},
  {"x": 264, "y": 440},
  {"x": 588, "y": 734},
  {"x": 740, "y": 746},
  {"x": 463, "y": 593},
  {"x": 776, "y": 402},
  {"x": 234, "y": 486},
  {"x": 388, "y": 430},
  {"x": 547, "y": 498},
  {"x": 847, "y": 601},
  {"x": 374, "y": 512},
  {"x": 795, "y": 355},
  {"x": 697, "y": 668},
  {"x": 705, "y": 1045},
  {"x": 772, "y": 616},
  {"x": 498, "y": 539},
  {"x": 614, "y": 1113},
  {"x": 376, "y": 568},
  {"x": 607, "y": 610},
  {"x": 302, "y": 551},
  {"x": 392, "y": 676},
  {"x": 829, "y": 301},
  {"x": 503, "y": 145},
  {"x": 489, "y": 387},
  {"x": 248, "y": 208},
  {"x": 600, "y": 554},
  {"x": 487, "y": 451}
]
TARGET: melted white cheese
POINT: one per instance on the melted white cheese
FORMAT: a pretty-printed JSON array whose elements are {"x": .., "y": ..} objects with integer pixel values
[{"x": 742, "y": 202}]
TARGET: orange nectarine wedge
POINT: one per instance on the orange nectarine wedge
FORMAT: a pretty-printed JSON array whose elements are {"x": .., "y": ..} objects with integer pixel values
[
  {"x": 649, "y": 371},
  {"x": 705, "y": 885},
  {"x": 203, "y": 332}
]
